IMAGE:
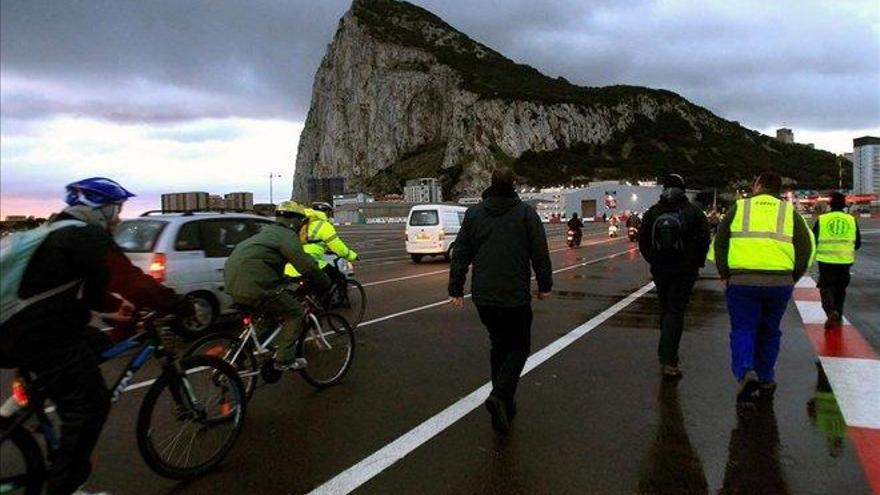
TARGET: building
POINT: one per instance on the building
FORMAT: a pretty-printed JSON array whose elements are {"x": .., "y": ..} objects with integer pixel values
[
  {"x": 185, "y": 201},
  {"x": 323, "y": 190},
  {"x": 264, "y": 209},
  {"x": 785, "y": 135},
  {"x": 240, "y": 201},
  {"x": 352, "y": 199},
  {"x": 425, "y": 190},
  {"x": 866, "y": 165},
  {"x": 216, "y": 202}
]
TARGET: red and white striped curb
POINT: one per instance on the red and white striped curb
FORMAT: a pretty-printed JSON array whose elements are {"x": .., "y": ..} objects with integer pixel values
[{"x": 853, "y": 369}]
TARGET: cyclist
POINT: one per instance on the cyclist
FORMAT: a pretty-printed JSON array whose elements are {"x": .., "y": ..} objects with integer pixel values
[
  {"x": 255, "y": 270},
  {"x": 320, "y": 235},
  {"x": 81, "y": 266}
]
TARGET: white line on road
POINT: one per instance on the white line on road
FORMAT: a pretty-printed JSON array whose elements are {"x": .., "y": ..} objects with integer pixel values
[
  {"x": 367, "y": 469},
  {"x": 428, "y": 274},
  {"x": 446, "y": 301}
]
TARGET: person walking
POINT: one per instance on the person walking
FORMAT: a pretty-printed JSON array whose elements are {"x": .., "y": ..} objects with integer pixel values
[
  {"x": 837, "y": 239},
  {"x": 762, "y": 248},
  {"x": 674, "y": 241},
  {"x": 502, "y": 238}
]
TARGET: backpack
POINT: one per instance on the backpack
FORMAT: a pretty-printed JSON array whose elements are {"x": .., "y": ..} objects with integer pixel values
[
  {"x": 668, "y": 233},
  {"x": 16, "y": 252}
]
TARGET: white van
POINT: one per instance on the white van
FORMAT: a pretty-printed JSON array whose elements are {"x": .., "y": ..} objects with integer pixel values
[{"x": 431, "y": 230}]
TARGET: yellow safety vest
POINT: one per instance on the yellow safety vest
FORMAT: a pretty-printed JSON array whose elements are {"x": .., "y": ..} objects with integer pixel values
[
  {"x": 319, "y": 235},
  {"x": 761, "y": 235},
  {"x": 837, "y": 238}
]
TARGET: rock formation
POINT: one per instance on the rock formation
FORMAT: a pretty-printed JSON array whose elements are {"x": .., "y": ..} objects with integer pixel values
[{"x": 401, "y": 94}]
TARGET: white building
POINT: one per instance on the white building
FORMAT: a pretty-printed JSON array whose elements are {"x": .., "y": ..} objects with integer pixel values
[
  {"x": 352, "y": 199},
  {"x": 425, "y": 190},
  {"x": 866, "y": 165},
  {"x": 785, "y": 135}
]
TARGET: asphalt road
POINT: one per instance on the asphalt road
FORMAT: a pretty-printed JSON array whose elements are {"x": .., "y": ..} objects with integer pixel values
[{"x": 594, "y": 415}]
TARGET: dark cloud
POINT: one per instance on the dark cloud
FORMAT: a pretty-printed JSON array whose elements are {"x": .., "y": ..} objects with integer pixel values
[{"x": 809, "y": 64}]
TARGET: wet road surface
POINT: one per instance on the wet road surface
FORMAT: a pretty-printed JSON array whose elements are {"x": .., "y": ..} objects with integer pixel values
[{"x": 593, "y": 418}]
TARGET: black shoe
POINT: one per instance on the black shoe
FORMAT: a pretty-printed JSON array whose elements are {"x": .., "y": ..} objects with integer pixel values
[
  {"x": 500, "y": 417},
  {"x": 748, "y": 386},
  {"x": 766, "y": 390}
]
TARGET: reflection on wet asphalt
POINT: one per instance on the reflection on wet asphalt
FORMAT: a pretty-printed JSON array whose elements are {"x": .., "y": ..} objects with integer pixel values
[
  {"x": 753, "y": 465},
  {"x": 671, "y": 465},
  {"x": 825, "y": 414}
]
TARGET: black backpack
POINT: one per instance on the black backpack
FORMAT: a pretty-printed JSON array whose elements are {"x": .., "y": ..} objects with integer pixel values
[{"x": 668, "y": 233}]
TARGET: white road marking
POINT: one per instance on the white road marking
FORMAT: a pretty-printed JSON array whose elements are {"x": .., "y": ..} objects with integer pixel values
[
  {"x": 806, "y": 283},
  {"x": 428, "y": 274},
  {"x": 812, "y": 313},
  {"x": 856, "y": 385},
  {"x": 367, "y": 469},
  {"x": 446, "y": 301}
]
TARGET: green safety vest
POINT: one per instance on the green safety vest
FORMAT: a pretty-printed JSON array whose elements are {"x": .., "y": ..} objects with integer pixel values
[
  {"x": 837, "y": 238},
  {"x": 761, "y": 235}
]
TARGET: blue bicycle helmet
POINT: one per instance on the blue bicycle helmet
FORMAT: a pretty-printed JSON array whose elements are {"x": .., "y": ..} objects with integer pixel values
[{"x": 96, "y": 192}]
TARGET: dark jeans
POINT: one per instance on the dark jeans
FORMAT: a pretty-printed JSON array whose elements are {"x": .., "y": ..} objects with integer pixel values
[
  {"x": 75, "y": 384},
  {"x": 510, "y": 330},
  {"x": 833, "y": 280},
  {"x": 674, "y": 292}
]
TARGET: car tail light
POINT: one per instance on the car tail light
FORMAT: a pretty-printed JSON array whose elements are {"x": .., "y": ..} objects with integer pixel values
[
  {"x": 19, "y": 393},
  {"x": 246, "y": 320},
  {"x": 441, "y": 234},
  {"x": 159, "y": 267}
]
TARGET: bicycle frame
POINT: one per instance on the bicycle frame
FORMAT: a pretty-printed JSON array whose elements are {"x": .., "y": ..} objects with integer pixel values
[{"x": 149, "y": 347}]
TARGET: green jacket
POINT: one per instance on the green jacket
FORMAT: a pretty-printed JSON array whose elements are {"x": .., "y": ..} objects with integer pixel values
[{"x": 256, "y": 265}]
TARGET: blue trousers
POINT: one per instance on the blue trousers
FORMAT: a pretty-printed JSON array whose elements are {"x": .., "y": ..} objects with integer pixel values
[{"x": 755, "y": 315}]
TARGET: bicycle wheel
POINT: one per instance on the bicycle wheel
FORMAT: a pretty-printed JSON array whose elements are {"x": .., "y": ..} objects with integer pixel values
[
  {"x": 230, "y": 349},
  {"x": 351, "y": 302},
  {"x": 22, "y": 469},
  {"x": 328, "y": 349},
  {"x": 181, "y": 439}
]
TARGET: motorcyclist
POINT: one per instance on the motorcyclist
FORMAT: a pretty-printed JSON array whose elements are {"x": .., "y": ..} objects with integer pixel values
[
  {"x": 577, "y": 226},
  {"x": 320, "y": 235},
  {"x": 51, "y": 338},
  {"x": 633, "y": 221},
  {"x": 255, "y": 270}
]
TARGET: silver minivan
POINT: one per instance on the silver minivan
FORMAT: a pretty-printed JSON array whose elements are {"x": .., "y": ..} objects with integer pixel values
[{"x": 186, "y": 252}]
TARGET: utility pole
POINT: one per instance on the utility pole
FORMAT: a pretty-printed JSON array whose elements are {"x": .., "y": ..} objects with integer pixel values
[{"x": 272, "y": 176}]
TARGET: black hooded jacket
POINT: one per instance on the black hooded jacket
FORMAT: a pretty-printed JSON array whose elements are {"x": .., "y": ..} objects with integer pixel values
[
  {"x": 696, "y": 240},
  {"x": 503, "y": 239}
]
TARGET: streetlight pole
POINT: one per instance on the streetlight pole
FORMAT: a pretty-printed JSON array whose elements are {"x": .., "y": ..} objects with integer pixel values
[{"x": 272, "y": 176}]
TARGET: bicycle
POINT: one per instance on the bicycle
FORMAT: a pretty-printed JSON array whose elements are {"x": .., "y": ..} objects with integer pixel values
[
  {"x": 349, "y": 299},
  {"x": 201, "y": 395},
  {"x": 326, "y": 343}
]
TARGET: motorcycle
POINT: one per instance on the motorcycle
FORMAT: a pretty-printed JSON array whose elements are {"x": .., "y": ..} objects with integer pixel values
[
  {"x": 573, "y": 238},
  {"x": 633, "y": 234},
  {"x": 613, "y": 231}
]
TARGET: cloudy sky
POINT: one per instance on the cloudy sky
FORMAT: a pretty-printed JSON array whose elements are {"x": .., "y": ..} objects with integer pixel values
[{"x": 171, "y": 95}]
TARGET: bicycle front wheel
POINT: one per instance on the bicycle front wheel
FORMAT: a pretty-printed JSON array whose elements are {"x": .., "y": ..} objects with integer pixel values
[
  {"x": 188, "y": 424},
  {"x": 328, "y": 348},
  {"x": 350, "y": 302},
  {"x": 22, "y": 469}
]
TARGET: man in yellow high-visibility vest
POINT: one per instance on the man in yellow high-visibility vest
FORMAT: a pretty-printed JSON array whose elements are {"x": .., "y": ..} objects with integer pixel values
[
  {"x": 319, "y": 235},
  {"x": 837, "y": 239},
  {"x": 762, "y": 248}
]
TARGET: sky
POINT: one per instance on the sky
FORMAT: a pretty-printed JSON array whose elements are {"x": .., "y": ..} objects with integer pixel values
[{"x": 211, "y": 95}]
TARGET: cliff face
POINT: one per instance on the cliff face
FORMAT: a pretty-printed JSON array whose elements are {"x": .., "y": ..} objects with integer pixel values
[{"x": 400, "y": 94}]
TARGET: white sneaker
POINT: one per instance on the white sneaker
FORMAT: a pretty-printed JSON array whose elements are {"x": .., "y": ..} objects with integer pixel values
[{"x": 297, "y": 364}]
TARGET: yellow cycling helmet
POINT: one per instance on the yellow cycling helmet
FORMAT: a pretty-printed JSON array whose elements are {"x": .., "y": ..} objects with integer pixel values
[{"x": 289, "y": 209}]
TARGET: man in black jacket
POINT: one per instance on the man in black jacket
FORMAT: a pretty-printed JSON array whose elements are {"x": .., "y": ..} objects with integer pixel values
[
  {"x": 51, "y": 337},
  {"x": 674, "y": 240},
  {"x": 503, "y": 238}
]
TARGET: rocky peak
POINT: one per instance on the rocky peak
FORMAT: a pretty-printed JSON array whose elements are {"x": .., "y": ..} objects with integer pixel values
[{"x": 401, "y": 94}]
